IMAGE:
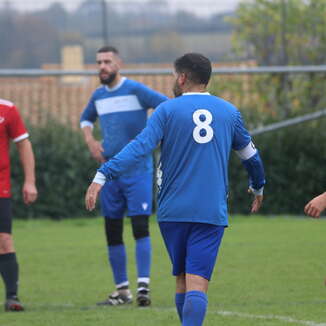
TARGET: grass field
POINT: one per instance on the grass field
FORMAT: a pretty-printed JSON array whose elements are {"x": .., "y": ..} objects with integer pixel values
[{"x": 270, "y": 272}]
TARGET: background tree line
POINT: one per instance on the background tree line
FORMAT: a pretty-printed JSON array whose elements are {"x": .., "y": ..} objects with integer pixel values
[
  {"x": 283, "y": 32},
  {"x": 33, "y": 38},
  {"x": 268, "y": 31}
]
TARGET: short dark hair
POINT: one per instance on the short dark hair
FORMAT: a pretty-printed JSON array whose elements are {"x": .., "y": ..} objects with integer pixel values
[
  {"x": 108, "y": 48},
  {"x": 197, "y": 67}
]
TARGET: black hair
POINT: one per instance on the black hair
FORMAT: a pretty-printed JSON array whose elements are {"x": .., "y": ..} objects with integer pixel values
[
  {"x": 108, "y": 48},
  {"x": 196, "y": 66}
]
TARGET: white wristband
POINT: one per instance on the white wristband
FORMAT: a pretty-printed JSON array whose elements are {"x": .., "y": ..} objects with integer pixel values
[
  {"x": 257, "y": 192},
  {"x": 99, "y": 178},
  {"x": 86, "y": 123}
]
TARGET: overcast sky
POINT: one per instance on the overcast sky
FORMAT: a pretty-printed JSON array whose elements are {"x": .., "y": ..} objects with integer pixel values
[{"x": 201, "y": 7}]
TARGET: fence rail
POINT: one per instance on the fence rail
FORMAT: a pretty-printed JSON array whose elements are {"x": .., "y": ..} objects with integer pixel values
[
  {"x": 289, "y": 122},
  {"x": 42, "y": 95},
  {"x": 164, "y": 71}
]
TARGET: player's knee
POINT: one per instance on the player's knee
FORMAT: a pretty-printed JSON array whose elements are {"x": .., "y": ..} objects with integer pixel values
[
  {"x": 6, "y": 243},
  {"x": 181, "y": 283},
  {"x": 196, "y": 283},
  {"x": 140, "y": 226},
  {"x": 113, "y": 231}
]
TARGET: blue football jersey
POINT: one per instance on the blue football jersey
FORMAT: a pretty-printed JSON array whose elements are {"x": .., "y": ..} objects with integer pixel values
[
  {"x": 122, "y": 114},
  {"x": 197, "y": 132}
]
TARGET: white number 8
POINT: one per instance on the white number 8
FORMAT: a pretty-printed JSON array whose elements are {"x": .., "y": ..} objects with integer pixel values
[{"x": 200, "y": 125}]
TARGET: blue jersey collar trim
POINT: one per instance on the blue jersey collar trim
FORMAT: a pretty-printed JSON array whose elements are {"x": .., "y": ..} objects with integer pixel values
[{"x": 112, "y": 89}]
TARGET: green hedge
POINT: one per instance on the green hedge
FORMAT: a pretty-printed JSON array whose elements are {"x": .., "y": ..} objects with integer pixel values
[
  {"x": 295, "y": 167},
  {"x": 294, "y": 158},
  {"x": 64, "y": 169}
]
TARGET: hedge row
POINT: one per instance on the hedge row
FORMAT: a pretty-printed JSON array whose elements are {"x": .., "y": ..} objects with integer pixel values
[
  {"x": 64, "y": 169},
  {"x": 294, "y": 158},
  {"x": 295, "y": 168}
]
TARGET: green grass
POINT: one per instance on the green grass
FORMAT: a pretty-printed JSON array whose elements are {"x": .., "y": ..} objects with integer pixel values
[{"x": 268, "y": 267}]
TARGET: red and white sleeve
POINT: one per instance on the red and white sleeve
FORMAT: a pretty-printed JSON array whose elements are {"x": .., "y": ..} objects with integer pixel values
[{"x": 16, "y": 128}]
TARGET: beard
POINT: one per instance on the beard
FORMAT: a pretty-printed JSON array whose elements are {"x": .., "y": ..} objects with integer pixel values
[
  {"x": 177, "y": 90},
  {"x": 108, "y": 80}
]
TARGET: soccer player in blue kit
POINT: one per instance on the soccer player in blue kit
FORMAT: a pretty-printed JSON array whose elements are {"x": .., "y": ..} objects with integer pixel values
[
  {"x": 197, "y": 132},
  {"x": 121, "y": 106}
]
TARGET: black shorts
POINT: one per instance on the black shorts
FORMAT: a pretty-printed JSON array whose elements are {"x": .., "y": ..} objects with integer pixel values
[{"x": 5, "y": 215}]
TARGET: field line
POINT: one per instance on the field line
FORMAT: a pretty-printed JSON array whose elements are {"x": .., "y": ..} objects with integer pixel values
[
  {"x": 252, "y": 316},
  {"x": 276, "y": 317}
]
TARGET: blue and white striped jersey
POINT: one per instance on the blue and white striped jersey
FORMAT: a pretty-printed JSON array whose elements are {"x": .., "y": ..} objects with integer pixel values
[
  {"x": 122, "y": 113},
  {"x": 197, "y": 132}
]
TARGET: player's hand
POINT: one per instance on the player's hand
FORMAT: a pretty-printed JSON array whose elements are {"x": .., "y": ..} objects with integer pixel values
[
  {"x": 316, "y": 206},
  {"x": 257, "y": 202},
  {"x": 96, "y": 149},
  {"x": 91, "y": 195},
  {"x": 29, "y": 193}
]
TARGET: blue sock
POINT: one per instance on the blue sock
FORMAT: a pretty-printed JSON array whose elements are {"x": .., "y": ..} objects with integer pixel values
[
  {"x": 179, "y": 302},
  {"x": 118, "y": 261},
  {"x": 143, "y": 256},
  {"x": 194, "y": 308}
]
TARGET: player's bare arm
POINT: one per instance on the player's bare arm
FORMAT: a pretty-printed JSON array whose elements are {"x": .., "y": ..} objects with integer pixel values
[
  {"x": 94, "y": 146},
  {"x": 316, "y": 206},
  {"x": 26, "y": 155}
]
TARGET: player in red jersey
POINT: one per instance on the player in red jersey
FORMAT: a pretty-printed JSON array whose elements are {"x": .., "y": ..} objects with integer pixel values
[{"x": 12, "y": 128}]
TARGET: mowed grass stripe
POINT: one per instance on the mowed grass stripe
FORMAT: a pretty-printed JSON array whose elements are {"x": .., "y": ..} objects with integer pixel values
[{"x": 267, "y": 267}]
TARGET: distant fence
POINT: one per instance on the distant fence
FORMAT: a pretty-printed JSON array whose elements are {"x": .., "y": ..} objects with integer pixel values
[
  {"x": 57, "y": 94},
  {"x": 289, "y": 122},
  {"x": 42, "y": 95}
]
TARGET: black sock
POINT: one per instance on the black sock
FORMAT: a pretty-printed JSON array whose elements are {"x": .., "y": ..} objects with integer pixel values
[{"x": 9, "y": 273}]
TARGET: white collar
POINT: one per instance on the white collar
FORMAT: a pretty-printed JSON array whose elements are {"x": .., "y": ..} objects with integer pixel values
[
  {"x": 196, "y": 93},
  {"x": 114, "y": 88}
]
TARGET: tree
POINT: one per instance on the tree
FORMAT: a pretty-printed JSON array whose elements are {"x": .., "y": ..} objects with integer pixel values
[
  {"x": 284, "y": 32},
  {"x": 28, "y": 41},
  {"x": 277, "y": 32}
]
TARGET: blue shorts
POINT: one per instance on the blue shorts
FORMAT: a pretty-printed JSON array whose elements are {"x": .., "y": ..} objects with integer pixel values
[
  {"x": 132, "y": 194},
  {"x": 192, "y": 247}
]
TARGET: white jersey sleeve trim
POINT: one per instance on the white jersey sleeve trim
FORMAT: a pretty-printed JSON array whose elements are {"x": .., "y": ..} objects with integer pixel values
[
  {"x": 86, "y": 123},
  {"x": 247, "y": 152},
  {"x": 21, "y": 137},
  {"x": 99, "y": 178},
  {"x": 7, "y": 103},
  {"x": 257, "y": 192}
]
